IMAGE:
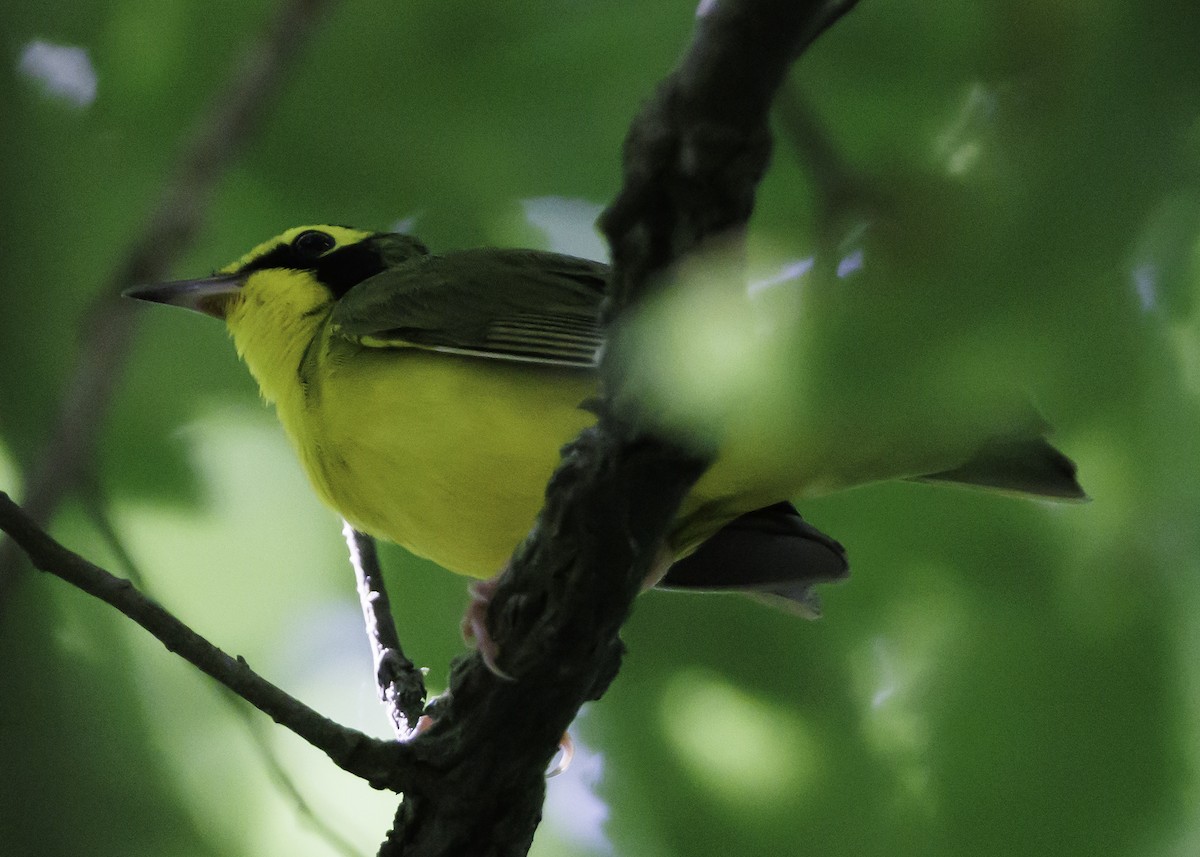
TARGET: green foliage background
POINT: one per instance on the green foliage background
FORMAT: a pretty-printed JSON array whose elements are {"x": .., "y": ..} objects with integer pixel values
[{"x": 997, "y": 677}]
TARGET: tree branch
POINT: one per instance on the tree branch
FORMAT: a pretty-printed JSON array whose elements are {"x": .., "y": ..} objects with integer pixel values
[
  {"x": 400, "y": 684},
  {"x": 220, "y": 134},
  {"x": 692, "y": 161},
  {"x": 378, "y": 762},
  {"x": 697, "y": 151}
]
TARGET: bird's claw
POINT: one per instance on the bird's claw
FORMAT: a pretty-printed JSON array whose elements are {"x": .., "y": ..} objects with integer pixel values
[
  {"x": 474, "y": 625},
  {"x": 566, "y": 752}
]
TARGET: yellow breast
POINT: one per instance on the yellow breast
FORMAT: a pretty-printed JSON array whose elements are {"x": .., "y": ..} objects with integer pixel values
[{"x": 447, "y": 456}]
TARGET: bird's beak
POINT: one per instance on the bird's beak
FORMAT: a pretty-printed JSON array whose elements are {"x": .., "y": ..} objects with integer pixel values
[{"x": 207, "y": 295}]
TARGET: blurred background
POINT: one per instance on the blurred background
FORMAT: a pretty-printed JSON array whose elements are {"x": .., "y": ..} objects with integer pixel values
[{"x": 965, "y": 199}]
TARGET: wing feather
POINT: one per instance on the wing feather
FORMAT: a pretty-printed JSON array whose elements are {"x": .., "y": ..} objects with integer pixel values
[{"x": 520, "y": 305}]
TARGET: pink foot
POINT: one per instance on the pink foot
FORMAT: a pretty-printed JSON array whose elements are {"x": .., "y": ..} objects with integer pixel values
[
  {"x": 474, "y": 624},
  {"x": 424, "y": 724}
]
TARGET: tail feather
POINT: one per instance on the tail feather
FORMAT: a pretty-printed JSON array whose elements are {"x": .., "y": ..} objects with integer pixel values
[
  {"x": 1027, "y": 466},
  {"x": 771, "y": 553},
  {"x": 775, "y": 555}
]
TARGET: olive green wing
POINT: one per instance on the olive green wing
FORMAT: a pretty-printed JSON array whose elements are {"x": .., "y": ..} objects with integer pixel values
[{"x": 520, "y": 305}]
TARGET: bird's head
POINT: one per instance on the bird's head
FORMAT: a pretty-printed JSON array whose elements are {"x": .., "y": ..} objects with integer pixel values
[
  {"x": 275, "y": 297},
  {"x": 302, "y": 270}
]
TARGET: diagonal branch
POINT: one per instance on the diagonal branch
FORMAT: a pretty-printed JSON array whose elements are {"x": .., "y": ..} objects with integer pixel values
[
  {"x": 234, "y": 115},
  {"x": 693, "y": 159}
]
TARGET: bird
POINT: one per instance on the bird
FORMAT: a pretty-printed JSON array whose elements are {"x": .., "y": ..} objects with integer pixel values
[{"x": 427, "y": 396}]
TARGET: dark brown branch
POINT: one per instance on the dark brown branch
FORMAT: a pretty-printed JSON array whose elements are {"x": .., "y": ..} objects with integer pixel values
[
  {"x": 692, "y": 161},
  {"x": 697, "y": 151},
  {"x": 400, "y": 684},
  {"x": 220, "y": 134},
  {"x": 378, "y": 762}
]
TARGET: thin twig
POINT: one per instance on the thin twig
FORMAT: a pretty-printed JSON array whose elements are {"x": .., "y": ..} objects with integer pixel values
[
  {"x": 401, "y": 685},
  {"x": 378, "y": 762},
  {"x": 218, "y": 137}
]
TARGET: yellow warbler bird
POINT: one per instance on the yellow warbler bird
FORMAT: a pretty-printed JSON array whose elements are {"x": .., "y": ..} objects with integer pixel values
[{"x": 428, "y": 396}]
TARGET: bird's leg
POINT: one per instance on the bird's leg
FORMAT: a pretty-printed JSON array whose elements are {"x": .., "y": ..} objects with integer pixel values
[
  {"x": 474, "y": 623},
  {"x": 475, "y": 631}
]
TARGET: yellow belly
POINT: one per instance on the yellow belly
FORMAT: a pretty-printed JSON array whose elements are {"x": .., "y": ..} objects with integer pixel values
[
  {"x": 451, "y": 464},
  {"x": 449, "y": 456}
]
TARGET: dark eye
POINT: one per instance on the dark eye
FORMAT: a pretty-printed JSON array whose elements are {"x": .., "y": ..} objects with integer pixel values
[{"x": 312, "y": 243}]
